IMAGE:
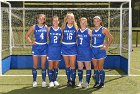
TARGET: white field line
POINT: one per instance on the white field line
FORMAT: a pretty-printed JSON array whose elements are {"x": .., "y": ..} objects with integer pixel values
[
  {"x": 131, "y": 75},
  {"x": 135, "y": 69}
]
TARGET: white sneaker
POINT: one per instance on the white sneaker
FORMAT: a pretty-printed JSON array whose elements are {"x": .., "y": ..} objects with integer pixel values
[
  {"x": 56, "y": 83},
  {"x": 86, "y": 85},
  {"x": 43, "y": 84},
  {"x": 35, "y": 84},
  {"x": 51, "y": 84},
  {"x": 79, "y": 84}
]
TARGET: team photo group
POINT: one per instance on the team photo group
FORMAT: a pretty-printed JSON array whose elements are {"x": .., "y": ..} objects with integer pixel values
[{"x": 77, "y": 45}]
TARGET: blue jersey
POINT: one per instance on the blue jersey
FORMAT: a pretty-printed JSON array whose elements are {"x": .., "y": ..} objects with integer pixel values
[
  {"x": 69, "y": 34},
  {"x": 40, "y": 34},
  {"x": 83, "y": 38},
  {"x": 98, "y": 37},
  {"x": 55, "y": 36}
]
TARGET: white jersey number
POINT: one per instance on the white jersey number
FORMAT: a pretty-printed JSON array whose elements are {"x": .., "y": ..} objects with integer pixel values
[
  {"x": 42, "y": 36},
  {"x": 81, "y": 41},
  {"x": 94, "y": 40},
  {"x": 55, "y": 39},
  {"x": 69, "y": 36}
]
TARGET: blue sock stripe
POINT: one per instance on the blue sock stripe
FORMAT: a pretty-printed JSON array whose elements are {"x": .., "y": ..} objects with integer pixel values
[
  {"x": 55, "y": 74},
  {"x": 88, "y": 75},
  {"x": 34, "y": 73},
  {"x": 102, "y": 76},
  {"x": 80, "y": 74},
  {"x": 50, "y": 74},
  {"x": 96, "y": 73},
  {"x": 73, "y": 74},
  {"x": 68, "y": 73},
  {"x": 44, "y": 74}
]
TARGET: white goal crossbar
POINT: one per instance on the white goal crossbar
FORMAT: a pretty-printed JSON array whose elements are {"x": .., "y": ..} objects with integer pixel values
[{"x": 130, "y": 25}]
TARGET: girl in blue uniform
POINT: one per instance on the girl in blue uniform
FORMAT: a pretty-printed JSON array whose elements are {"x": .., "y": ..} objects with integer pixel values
[
  {"x": 84, "y": 52},
  {"x": 39, "y": 47},
  {"x": 99, "y": 50},
  {"x": 54, "y": 51},
  {"x": 69, "y": 47}
]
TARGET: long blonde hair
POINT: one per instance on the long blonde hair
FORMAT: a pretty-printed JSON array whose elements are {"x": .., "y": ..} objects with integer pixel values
[{"x": 66, "y": 20}]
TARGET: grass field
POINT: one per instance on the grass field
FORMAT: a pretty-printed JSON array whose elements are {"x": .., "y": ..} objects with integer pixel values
[
  {"x": 113, "y": 85},
  {"x": 23, "y": 84},
  {"x": 135, "y": 61}
]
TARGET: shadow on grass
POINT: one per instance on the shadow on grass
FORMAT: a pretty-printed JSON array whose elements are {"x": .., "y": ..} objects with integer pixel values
[
  {"x": 119, "y": 71},
  {"x": 62, "y": 89},
  {"x": 57, "y": 90}
]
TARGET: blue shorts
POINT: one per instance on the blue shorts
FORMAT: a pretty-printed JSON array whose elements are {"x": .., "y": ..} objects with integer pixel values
[
  {"x": 39, "y": 50},
  {"x": 97, "y": 53},
  {"x": 54, "y": 53},
  {"x": 70, "y": 49},
  {"x": 84, "y": 54}
]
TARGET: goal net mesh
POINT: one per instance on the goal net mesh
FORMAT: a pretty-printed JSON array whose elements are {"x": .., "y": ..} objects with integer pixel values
[
  {"x": 22, "y": 19},
  {"x": 5, "y": 28}
]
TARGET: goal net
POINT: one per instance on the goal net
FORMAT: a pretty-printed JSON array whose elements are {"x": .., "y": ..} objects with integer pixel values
[
  {"x": 111, "y": 20},
  {"x": 115, "y": 18}
]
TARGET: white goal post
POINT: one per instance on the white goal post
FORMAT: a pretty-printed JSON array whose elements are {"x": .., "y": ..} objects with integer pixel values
[
  {"x": 121, "y": 9},
  {"x": 10, "y": 31}
]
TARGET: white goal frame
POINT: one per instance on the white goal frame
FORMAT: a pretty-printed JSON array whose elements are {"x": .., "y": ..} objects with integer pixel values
[{"x": 123, "y": 3}]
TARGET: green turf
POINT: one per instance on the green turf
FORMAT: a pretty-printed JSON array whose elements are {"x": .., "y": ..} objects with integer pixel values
[
  {"x": 61, "y": 72},
  {"x": 134, "y": 36},
  {"x": 113, "y": 85},
  {"x": 135, "y": 61}
]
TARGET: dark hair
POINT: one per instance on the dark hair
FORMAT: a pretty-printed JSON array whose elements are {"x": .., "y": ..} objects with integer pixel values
[{"x": 98, "y": 17}]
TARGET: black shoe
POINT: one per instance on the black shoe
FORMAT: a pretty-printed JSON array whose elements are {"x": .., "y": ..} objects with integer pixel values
[
  {"x": 96, "y": 85},
  {"x": 101, "y": 85},
  {"x": 73, "y": 84},
  {"x": 69, "y": 83}
]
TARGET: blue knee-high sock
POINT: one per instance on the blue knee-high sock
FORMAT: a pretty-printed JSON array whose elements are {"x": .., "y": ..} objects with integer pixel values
[
  {"x": 73, "y": 74},
  {"x": 34, "y": 73},
  {"x": 88, "y": 75},
  {"x": 80, "y": 74},
  {"x": 102, "y": 76},
  {"x": 44, "y": 74},
  {"x": 96, "y": 74},
  {"x": 50, "y": 74},
  {"x": 68, "y": 73},
  {"x": 55, "y": 74}
]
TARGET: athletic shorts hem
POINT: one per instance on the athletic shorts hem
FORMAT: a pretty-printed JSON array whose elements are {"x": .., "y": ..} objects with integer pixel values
[
  {"x": 68, "y": 55},
  {"x": 100, "y": 58},
  {"x": 39, "y": 55},
  {"x": 54, "y": 60},
  {"x": 83, "y": 61}
]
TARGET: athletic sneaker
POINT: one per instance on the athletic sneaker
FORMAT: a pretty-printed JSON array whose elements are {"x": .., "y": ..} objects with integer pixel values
[
  {"x": 96, "y": 85},
  {"x": 51, "y": 84},
  {"x": 69, "y": 83},
  {"x": 72, "y": 83},
  {"x": 56, "y": 83},
  {"x": 101, "y": 85},
  {"x": 86, "y": 85},
  {"x": 43, "y": 84},
  {"x": 35, "y": 84},
  {"x": 79, "y": 84}
]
